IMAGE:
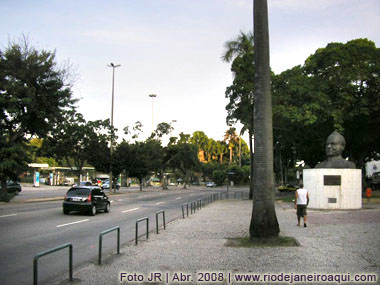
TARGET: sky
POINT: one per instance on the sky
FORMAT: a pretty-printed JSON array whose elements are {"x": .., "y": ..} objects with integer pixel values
[{"x": 173, "y": 48}]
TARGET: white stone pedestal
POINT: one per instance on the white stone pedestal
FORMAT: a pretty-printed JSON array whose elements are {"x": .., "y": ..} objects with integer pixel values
[{"x": 333, "y": 188}]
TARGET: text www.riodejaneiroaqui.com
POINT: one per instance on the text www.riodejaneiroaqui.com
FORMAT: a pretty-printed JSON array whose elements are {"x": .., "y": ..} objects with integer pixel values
[{"x": 229, "y": 277}]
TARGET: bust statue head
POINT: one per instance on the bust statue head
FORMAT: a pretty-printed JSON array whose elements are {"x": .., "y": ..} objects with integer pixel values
[
  {"x": 335, "y": 144},
  {"x": 334, "y": 148}
]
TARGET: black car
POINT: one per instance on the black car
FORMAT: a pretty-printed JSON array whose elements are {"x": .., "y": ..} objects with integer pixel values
[
  {"x": 88, "y": 199},
  {"x": 13, "y": 187}
]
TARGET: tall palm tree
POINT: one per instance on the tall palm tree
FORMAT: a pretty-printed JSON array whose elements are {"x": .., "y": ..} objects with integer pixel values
[
  {"x": 264, "y": 220},
  {"x": 240, "y": 52},
  {"x": 233, "y": 139},
  {"x": 221, "y": 149}
]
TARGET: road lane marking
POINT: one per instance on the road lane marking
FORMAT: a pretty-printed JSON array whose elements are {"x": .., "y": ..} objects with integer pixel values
[
  {"x": 77, "y": 222},
  {"x": 158, "y": 203},
  {"x": 130, "y": 210},
  {"x": 10, "y": 215},
  {"x": 178, "y": 198},
  {"x": 142, "y": 196}
]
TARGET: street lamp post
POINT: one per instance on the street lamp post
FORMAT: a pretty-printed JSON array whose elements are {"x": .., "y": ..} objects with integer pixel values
[
  {"x": 112, "y": 132},
  {"x": 171, "y": 129},
  {"x": 152, "y": 96}
]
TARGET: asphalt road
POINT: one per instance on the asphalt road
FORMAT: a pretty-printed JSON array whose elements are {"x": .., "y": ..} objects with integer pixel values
[{"x": 30, "y": 228}]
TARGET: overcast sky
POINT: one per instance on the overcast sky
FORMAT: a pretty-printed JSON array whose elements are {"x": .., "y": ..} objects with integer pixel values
[{"x": 173, "y": 48}]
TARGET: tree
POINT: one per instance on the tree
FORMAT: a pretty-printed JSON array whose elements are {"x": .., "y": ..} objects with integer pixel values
[
  {"x": 221, "y": 149},
  {"x": 336, "y": 88},
  {"x": 264, "y": 221},
  {"x": 348, "y": 75},
  {"x": 35, "y": 94},
  {"x": 76, "y": 140},
  {"x": 240, "y": 107},
  {"x": 200, "y": 140},
  {"x": 232, "y": 138},
  {"x": 184, "y": 159}
]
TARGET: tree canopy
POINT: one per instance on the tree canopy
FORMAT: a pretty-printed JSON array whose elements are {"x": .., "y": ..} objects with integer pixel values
[
  {"x": 35, "y": 94},
  {"x": 337, "y": 88}
]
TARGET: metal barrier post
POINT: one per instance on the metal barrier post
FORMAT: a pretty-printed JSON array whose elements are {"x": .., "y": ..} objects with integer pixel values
[
  {"x": 193, "y": 206},
  {"x": 163, "y": 216},
  {"x": 199, "y": 204},
  {"x": 35, "y": 261},
  {"x": 183, "y": 211},
  {"x": 137, "y": 228},
  {"x": 101, "y": 242}
]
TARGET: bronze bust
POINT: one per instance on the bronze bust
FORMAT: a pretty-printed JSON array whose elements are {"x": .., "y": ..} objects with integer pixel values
[{"x": 334, "y": 147}]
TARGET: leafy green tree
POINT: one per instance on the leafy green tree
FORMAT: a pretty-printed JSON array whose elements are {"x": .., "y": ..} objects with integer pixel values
[
  {"x": 35, "y": 94},
  {"x": 219, "y": 176},
  {"x": 76, "y": 141},
  {"x": 36, "y": 152},
  {"x": 184, "y": 159},
  {"x": 240, "y": 52},
  {"x": 336, "y": 88},
  {"x": 264, "y": 220},
  {"x": 138, "y": 166}
]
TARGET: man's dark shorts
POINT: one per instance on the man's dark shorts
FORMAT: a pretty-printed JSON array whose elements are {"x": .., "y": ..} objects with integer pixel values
[{"x": 301, "y": 210}]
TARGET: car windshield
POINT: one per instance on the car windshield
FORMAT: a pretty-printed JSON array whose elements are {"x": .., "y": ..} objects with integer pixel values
[{"x": 78, "y": 192}]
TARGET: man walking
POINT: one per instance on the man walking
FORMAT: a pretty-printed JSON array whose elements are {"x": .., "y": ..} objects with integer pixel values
[{"x": 300, "y": 203}]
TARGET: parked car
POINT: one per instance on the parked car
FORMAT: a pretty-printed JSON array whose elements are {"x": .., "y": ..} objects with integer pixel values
[
  {"x": 210, "y": 184},
  {"x": 106, "y": 185},
  {"x": 85, "y": 183},
  {"x": 13, "y": 187},
  {"x": 287, "y": 188},
  {"x": 88, "y": 199},
  {"x": 375, "y": 182}
]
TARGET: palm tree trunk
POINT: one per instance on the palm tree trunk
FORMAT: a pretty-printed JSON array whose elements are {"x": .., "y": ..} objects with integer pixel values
[
  {"x": 252, "y": 170},
  {"x": 264, "y": 220}
]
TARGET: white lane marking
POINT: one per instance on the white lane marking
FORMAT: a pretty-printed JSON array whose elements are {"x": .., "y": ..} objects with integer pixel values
[
  {"x": 77, "y": 222},
  {"x": 178, "y": 198},
  {"x": 192, "y": 194},
  {"x": 130, "y": 210},
  {"x": 10, "y": 215},
  {"x": 158, "y": 203},
  {"x": 142, "y": 196}
]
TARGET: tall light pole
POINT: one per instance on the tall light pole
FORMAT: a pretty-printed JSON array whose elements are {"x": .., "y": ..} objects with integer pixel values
[
  {"x": 152, "y": 96},
  {"x": 112, "y": 132},
  {"x": 171, "y": 129}
]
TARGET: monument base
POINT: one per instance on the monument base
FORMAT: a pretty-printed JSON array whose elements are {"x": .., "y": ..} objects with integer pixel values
[{"x": 333, "y": 188}]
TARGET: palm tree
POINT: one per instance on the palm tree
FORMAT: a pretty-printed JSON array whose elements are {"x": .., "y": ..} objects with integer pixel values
[
  {"x": 264, "y": 220},
  {"x": 240, "y": 52},
  {"x": 221, "y": 149},
  {"x": 233, "y": 139},
  {"x": 242, "y": 45}
]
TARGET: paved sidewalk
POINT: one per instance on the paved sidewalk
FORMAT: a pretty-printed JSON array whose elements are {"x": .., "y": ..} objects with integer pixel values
[{"x": 343, "y": 242}]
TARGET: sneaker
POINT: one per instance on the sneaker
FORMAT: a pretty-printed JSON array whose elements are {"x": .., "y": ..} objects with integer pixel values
[{"x": 304, "y": 225}]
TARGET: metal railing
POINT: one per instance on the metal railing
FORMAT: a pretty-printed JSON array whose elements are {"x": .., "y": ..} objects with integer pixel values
[
  {"x": 163, "y": 217},
  {"x": 241, "y": 192},
  {"x": 137, "y": 228},
  {"x": 35, "y": 261},
  {"x": 101, "y": 242}
]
